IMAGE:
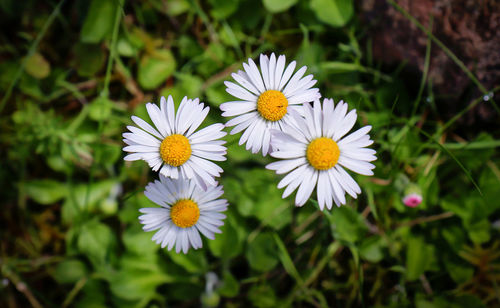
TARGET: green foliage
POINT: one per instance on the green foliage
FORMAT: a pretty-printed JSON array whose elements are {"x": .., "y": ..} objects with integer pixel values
[
  {"x": 95, "y": 240},
  {"x": 155, "y": 69},
  {"x": 99, "y": 21},
  {"x": 347, "y": 225},
  {"x": 261, "y": 253},
  {"x": 229, "y": 243},
  {"x": 89, "y": 59},
  {"x": 222, "y": 9},
  {"x": 258, "y": 198},
  {"x": 336, "y": 13},
  {"x": 70, "y": 229},
  {"x": 100, "y": 109},
  {"x": 70, "y": 271},
  {"x": 229, "y": 286},
  {"x": 419, "y": 257},
  {"x": 45, "y": 191},
  {"x": 276, "y": 6},
  {"x": 37, "y": 66}
]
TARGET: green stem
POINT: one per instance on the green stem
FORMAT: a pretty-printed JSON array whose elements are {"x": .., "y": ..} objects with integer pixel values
[
  {"x": 426, "y": 70},
  {"x": 442, "y": 129},
  {"x": 112, "y": 53},
  {"x": 465, "y": 170},
  {"x": 105, "y": 90}
]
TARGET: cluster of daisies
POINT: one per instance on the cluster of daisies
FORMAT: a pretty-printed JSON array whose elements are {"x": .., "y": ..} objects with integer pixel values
[{"x": 279, "y": 113}]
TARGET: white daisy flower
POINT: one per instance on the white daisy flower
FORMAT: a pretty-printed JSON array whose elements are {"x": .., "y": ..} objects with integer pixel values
[
  {"x": 186, "y": 211},
  {"x": 315, "y": 154},
  {"x": 174, "y": 146},
  {"x": 265, "y": 99}
]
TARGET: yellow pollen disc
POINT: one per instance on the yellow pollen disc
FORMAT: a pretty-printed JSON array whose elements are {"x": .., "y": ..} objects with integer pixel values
[
  {"x": 322, "y": 153},
  {"x": 175, "y": 150},
  {"x": 184, "y": 213},
  {"x": 272, "y": 105}
]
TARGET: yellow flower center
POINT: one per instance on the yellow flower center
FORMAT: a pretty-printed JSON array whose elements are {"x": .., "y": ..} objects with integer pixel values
[
  {"x": 322, "y": 153},
  {"x": 185, "y": 213},
  {"x": 272, "y": 105},
  {"x": 175, "y": 150}
]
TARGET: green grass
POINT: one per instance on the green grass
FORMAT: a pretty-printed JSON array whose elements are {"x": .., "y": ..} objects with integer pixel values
[{"x": 72, "y": 74}]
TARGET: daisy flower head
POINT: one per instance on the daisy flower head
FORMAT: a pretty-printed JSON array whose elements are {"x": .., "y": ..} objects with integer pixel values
[
  {"x": 265, "y": 98},
  {"x": 186, "y": 211},
  {"x": 174, "y": 146},
  {"x": 314, "y": 153}
]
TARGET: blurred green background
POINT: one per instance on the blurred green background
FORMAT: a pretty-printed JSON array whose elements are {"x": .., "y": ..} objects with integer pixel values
[{"x": 73, "y": 72}]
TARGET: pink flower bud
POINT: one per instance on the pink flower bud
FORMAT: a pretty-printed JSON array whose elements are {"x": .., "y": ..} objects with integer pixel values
[{"x": 412, "y": 200}]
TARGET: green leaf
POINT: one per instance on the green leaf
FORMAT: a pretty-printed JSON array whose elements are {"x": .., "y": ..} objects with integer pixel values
[
  {"x": 176, "y": 7},
  {"x": 479, "y": 232},
  {"x": 37, "y": 66},
  {"x": 213, "y": 57},
  {"x": 107, "y": 153},
  {"x": 92, "y": 296},
  {"x": 147, "y": 262},
  {"x": 459, "y": 271},
  {"x": 455, "y": 236},
  {"x": 260, "y": 198},
  {"x": 75, "y": 204},
  {"x": 210, "y": 300},
  {"x": 489, "y": 183},
  {"x": 286, "y": 260},
  {"x": 129, "y": 213},
  {"x": 30, "y": 86},
  {"x": 222, "y": 9},
  {"x": 216, "y": 95},
  {"x": 467, "y": 301},
  {"x": 185, "y": 85},
  {"x": 419, "y": 257},
  {"x": 229, "y": 286},
  {"x": 276, "y": 6},
  {"x": 89, "y": 59},
  {"x": 45, "y": 191},
  {"x": 336, "y": 13},
  {"x": 99, "y": 21},
  {"x": 94, "y": 240},
  {"x": 262, "y": 296},
  {"x": 422, "y": 303},
  {"x": 100, "y": 108},
  {"x": 155, "y": 69},
  {"x": 108, "y": 206},
  {"x": 181, "y": 290},
  {"x": 69, "y": 271},
  {"x": 347, "y": 225},
  {"x": 194, "y": 261},
  {"x": 8, "y": 69},
  {"x": 457, "y": 208},
  {"x": 133, "y": 284},
  {"x": 262, "y": 254},
  {"x": 140, "y": 267},
  {"x": 462, "y": 301},
  {"x": 371, "y": 249},
  {"x": 139, "y": 242},
  {"x": 126, "y": 48},
  {"x": 227, "y": 244},
  {"x": 474, "y": 155}
]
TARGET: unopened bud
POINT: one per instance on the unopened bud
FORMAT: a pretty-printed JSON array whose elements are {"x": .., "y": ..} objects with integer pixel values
[
  {"x": 412, "y": 200},
  {"x": 412, "y": 195}
]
